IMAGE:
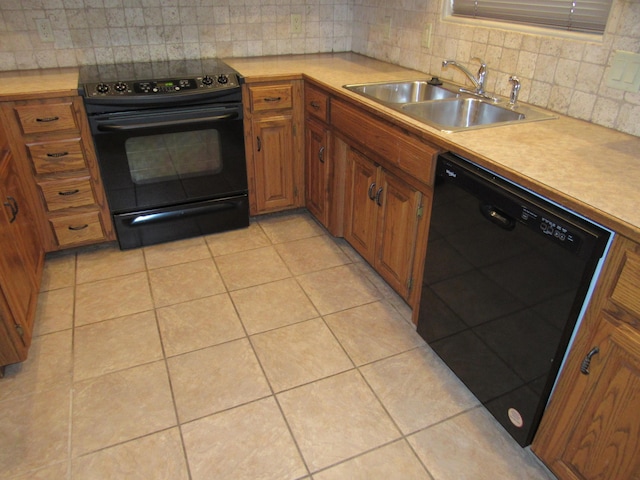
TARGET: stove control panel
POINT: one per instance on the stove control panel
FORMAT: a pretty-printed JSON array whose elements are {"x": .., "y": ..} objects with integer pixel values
[{"x": 163, "y": 87}]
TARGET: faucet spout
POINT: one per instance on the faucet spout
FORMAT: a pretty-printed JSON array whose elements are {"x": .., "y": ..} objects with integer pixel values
[{"x": 478, "y": 82}]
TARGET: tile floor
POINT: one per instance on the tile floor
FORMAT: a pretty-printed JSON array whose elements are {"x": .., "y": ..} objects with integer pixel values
[{"x": 272, "y": 352}]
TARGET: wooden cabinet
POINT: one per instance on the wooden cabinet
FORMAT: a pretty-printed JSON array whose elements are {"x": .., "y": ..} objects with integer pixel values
[
  {"x": 318, "y": 160},
  {"x": 21, "y": 261},
  {"x": 382, "y": 216},
  {"x": 591, "y": 429},
  {"x": 52, "y": 144},
  {"x": 274, "y": 145}
]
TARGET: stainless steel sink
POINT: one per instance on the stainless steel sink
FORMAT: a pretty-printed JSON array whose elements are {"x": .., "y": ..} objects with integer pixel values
[
  {"x": 402, "y": 92},
  {"x": 445, "y": 107},
  {"x": 461, "y": 113}
]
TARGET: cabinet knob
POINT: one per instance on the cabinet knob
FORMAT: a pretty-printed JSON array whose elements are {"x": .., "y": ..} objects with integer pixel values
[
  {"x": 584, "y": 368},
  {"x": 57, "y": 155},
  {"x": 370, "y": 193},
  {"x": 69, "y": 192},
  {"x": 272, "y": 99},
  {"x": 378, "y": 195},
  {"x": 13, "y": 207},
  {"x": 321, "y": 154},
  {"x": 315, "y": 105},
  {"x": 47, "y": 119}
]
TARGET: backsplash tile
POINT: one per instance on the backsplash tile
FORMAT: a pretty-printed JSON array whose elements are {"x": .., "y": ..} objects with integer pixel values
[{"x": 564, "y": 75}]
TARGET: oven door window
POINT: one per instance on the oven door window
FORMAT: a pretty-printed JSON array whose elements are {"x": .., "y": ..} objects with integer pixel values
[{"x": 173, "y": 156}]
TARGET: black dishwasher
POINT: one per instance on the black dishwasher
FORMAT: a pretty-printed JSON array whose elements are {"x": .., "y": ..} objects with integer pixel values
[{"x": 506, "y": 276}]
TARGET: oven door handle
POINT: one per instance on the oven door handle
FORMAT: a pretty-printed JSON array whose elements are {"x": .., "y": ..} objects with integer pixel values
[{"x": 171, "y": 123}]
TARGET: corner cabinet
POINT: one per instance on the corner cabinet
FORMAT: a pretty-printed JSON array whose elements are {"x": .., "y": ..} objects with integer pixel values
[
  {"x": 54, "y": 152},
  {"x": 591, "y": 429},
  {"x": 274, "y": 145},
  {"x": 21, "y": 262}
]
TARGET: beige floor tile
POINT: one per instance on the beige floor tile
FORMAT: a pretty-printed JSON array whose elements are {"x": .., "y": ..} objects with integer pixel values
[
  {"x": 112, "y": 298},
  {"x": 34, "y": 431},
  {"x": 159, "y": 457},
  {"x": 299, "y": 354},
  {"x": 372, "y": 332},
  {"x": 58, "y": 471},
  {"x": 54, "y": 311},
  {"x": 290, "y": 226},
  {"x": 474, "y": 446},
  {"x": 198, "y": 324},
  {"x": 174, "y": 253},
  {"x": 250, "y": 442},
  {"x": 215, "y": 378},
  {"x": 335, "y": 419},
  {"x": 338, "y": 289},
  {"x": 250, "y": 268},
  {"x": 108, "y": 261},
  {"x": 47, "y": 366},
  {"x": 112, "y": 345},
  {"x": 311, "y": 254},
  {"x": 184, "y": 282},
  {"x": 273, "y": 305},
  {"x": 59, "y": 271},
  {"x": 121, "y": 406},
  {"x": 236, "y": 241},
  {"x": 417, "y": 389},
  {"x": 395, "y": 461}
]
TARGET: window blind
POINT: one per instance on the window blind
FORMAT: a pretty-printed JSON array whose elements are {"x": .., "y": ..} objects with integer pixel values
[{"x": 576, "y": 15}]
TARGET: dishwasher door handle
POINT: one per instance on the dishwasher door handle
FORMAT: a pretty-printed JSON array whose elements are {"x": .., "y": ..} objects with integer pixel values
[{"x": 497, "y": 217}]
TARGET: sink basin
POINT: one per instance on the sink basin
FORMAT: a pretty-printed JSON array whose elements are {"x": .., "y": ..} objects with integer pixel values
[
  {"x": 402, "y": 92},
  {"x": 461, "y": 113}
]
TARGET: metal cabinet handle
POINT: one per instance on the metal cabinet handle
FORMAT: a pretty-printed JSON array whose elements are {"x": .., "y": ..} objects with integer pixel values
[
  {"x": 321, "y": 154},
  {"x": 378, "y": 195},
  {"x": 82, "y": 227},
  {"x": 315, "y": 105},
  {"x": 259, "y": 143},
  {"x": 47, "y": 119},
  {"x": 69, "y": 192},
  {"x": 57, "y": 155},
  {"x": 370, "y": 193},
  {"x": 272, "y": 99},
  {"x": 13, "y": 206},
  {"x": 584, "y": 368}
]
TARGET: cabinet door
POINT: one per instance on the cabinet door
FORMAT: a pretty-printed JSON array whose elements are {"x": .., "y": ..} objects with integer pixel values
[
  {"x": 19, "y": 252},
  {"x": 361, "y": 211},
  {"x": 317, "y": 171},
  {"x": 397, "y": 230},
  {"x": 273, "y": 163},
  {"x": 604, "y": 442}
]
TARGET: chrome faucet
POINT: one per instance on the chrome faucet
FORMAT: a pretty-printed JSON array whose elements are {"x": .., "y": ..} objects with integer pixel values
[
  {"x": 478, "y": 83},
  {"x": 513, "y": 98}
]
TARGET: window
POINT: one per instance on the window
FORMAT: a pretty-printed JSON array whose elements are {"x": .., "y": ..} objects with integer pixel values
[{"x": 588, "y": 16}]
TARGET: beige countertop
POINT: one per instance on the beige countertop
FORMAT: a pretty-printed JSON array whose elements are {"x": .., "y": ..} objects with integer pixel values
[
  {"x": 587, "y": 168},
  {"x": 590, "y": 169}
]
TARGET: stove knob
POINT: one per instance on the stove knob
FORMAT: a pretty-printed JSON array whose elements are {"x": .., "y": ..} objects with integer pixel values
[
  {"x": 207, "y": 80},
  {"x": 223, "y": 79},
  {"x": 102, "y": 88},
  {"x": 120, "y": 86}
]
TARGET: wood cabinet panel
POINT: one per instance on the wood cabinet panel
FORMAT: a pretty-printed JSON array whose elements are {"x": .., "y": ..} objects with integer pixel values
[
  {"x": 57, "y": 156},
  {"x": 40, "y": 119},
  {"x": 270, "y": 97},
  {"x": 317, "y": 170},
  {"x": 73, "y": 192},
  {"x": 316, "y": 103},
  {"x": 78, "y": 229}
]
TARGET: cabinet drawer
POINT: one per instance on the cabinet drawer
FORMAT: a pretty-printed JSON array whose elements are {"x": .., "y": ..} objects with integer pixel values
[
  {"x": 75, "y": 229},
  {"x": 316, "y": 103},
  {"x": 417, "y": 159},
  {"x": 46, "y": 118},
  {"x": 54, "y": 157},
  {"x": 75, "y": 192},
  {"x": 625, "y": 292},
  {"x": 271, "y": 97}
]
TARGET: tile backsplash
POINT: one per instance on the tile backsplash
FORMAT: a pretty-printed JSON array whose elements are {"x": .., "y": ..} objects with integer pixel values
[{"x": 561, "y": 74}]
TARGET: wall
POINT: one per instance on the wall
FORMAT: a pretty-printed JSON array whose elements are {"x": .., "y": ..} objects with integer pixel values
[
  {"x": 104, "y": 31},
  {"x": 566, "y": 76}
]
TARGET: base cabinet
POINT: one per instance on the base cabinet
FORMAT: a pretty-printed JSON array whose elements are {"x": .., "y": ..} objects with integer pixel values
[
  {"x": 381, "y": 220},
  {"x": 591, "y": 429},
  {"x": 274, "y": 144}
]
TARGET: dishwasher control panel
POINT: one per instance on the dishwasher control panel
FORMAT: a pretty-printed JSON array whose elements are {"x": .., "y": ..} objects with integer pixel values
[{"x": 555, "y": 230}]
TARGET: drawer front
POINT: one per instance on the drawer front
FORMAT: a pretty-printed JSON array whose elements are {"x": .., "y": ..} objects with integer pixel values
[
  {"x": 271, "y": 97},
  {"x": 61, "y": 194},
  {"x": 417, "y": 159},
  {"x": 316, "y": 103},
  {"x": 54, "y": 157},
  {"x": 46, "y": 118},
  {"x": 76, "y": 229}
]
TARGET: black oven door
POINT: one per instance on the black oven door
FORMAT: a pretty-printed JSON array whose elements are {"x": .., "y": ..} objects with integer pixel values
[
  {"x": 173, "y": 173},
  {"x": 166, "y": 157}
]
